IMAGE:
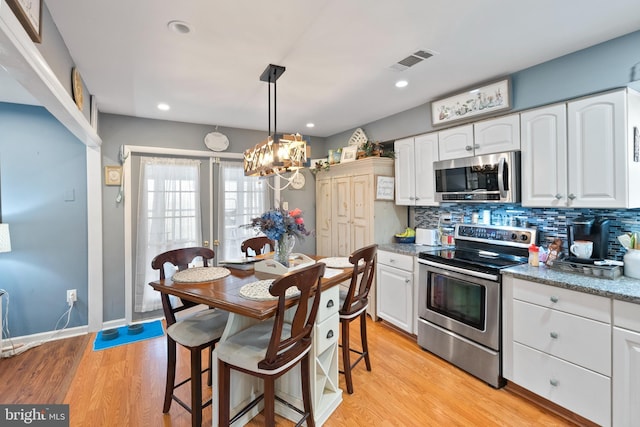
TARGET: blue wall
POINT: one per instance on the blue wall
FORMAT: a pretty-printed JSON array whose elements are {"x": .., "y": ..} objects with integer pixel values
[{"x": 44, "y": 200}]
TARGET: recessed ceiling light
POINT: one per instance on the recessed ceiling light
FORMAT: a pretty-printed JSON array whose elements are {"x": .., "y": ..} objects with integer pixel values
[
  {"x": 310, "y": 125},
  {"x": 179, "y": 27},
  {"x": 402, "y": 83},
  {"x": 164, "y": 107}
]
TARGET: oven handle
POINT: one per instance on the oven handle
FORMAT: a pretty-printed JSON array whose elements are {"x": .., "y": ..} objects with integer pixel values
[
  {"x": 478, "y": 274},
  {"x": 501, "y": 164}
]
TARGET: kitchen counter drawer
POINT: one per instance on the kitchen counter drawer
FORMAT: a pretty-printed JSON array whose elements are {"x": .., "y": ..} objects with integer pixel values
[
  {"x": 329, "y": 303},
  {"x": 586, "y": 305},
  {"x": 573, "y": 338},
  {"x": 582, "y": 391},
  {"x": 403, "y": 262},
  {"x": 327, "y": 333}
]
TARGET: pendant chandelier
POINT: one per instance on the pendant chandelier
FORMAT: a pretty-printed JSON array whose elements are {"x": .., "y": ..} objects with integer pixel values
[{"x": 278, "y": 153}]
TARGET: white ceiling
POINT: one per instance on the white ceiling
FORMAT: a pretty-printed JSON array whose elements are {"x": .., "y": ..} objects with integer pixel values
[{"x": 337, "y": 53}]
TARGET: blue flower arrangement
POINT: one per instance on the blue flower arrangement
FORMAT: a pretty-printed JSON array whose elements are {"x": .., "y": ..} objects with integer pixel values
[{"x": 276, "y": 223}]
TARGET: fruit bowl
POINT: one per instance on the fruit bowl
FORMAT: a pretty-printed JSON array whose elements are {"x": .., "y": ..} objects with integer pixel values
[{"x": 406, "y": 239}]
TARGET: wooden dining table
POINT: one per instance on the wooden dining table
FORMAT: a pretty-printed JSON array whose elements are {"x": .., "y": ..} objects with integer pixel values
[{"x": 225, "y": 294}]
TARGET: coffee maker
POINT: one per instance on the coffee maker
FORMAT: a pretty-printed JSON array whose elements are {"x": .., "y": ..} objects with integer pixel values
[{"x": 593, "y": 229}]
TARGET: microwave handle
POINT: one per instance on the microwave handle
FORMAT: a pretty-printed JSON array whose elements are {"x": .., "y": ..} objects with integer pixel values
[{"x": 501, "y": 165}]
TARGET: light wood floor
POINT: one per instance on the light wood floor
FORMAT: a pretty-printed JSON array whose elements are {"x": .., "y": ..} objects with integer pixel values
[{"x": 124, "y": 386}]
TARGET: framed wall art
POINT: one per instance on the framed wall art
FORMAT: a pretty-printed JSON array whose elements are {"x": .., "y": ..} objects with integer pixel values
[
  {"x": 349, "y": 154},
  {"x": 113, "y": 175},
  {"x": 385, "y": 186},
  {"x": 29, "y": 13},
  {"x": 473, "y": 102}
]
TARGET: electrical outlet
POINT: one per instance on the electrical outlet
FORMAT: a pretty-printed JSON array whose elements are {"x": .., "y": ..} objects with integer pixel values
[{"x": 72, "y": 296}]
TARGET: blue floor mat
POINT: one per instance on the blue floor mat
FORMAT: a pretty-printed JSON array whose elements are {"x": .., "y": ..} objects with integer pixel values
[{"x": 150, "y": 330}]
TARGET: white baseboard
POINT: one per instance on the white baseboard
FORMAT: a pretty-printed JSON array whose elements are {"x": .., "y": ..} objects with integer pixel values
[{"x": 43, "y": 337}]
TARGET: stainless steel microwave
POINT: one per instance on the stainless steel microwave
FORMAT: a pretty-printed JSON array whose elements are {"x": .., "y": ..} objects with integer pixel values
[{"x": 492, "y": 178}]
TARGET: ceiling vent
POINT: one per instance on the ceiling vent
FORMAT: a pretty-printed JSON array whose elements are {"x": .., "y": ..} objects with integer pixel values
[{"x": 413, "y": 59}]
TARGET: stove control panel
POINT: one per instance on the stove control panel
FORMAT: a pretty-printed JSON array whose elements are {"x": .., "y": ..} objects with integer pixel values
[{"x": 509, "y": 236}]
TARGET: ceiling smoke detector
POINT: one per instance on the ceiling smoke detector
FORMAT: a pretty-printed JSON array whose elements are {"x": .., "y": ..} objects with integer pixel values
[{"x": 413, "y": 59}]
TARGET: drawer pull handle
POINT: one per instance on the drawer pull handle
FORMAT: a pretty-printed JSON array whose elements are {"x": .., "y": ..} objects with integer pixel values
[
  {"x": 554, "y": 383},
  {"x": 407, "y": 280},
  {"x": 554, "y": 335},
  {"x": 330, "y": 303},
  {"x": 330, "y": 334},
  {"x": 554, "y": 299}
]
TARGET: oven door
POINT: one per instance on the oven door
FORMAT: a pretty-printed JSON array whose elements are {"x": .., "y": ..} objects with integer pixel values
[{"x": 461, "y": 303}]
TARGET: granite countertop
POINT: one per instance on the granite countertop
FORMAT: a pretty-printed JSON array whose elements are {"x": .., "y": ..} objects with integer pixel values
[
  {"x": 623, "y": 288},
  {"x": 408, "y": 248}
]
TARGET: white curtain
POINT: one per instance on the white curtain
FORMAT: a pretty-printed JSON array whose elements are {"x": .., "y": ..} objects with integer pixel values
[
  {"x": 169, "y": 217},
  {"x": 241, "y": 198}
]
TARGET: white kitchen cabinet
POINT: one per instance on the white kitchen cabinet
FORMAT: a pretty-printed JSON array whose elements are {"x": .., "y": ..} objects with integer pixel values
[
  {"x": 496, "y": 135},
  {"x": 395, "y": 283},
  {"x": 349, "y": 216},
  {"x": 456, "y": 142},
  {"x": 588, "y": 164},
  {"x": 544, "y": 156},
  {"x": 557, "y": 344},
  {"x": 414, "y": 170},
  {"x": 626, "y": 364}
]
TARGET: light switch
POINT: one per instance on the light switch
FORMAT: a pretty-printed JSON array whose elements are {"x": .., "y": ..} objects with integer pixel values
[{"x": 285, "y": 206}]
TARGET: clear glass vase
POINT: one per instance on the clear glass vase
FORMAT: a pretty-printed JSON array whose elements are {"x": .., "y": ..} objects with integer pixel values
[{"x": 283, "y": 249}]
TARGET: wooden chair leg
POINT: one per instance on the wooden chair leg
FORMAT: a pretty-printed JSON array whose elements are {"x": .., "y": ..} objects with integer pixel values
[
  {"x": 196, "y": 387},
  {"x": 224, "y": 389},
  {"x": 363, "y": 338},
  {"x": 346, "y": 360},
  {"x": 269, "y": 402},
  {"x": 210, "y": 356},
  {"x": 171, "y": 374},
  {"x": 305, "y": 373}
]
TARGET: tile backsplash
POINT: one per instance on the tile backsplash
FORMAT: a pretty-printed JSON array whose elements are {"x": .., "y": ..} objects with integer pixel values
[{"x": 551, "y": 223}]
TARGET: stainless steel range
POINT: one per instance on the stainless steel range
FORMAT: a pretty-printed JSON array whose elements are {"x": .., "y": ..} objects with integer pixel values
[{"x": 460, "y": 296}]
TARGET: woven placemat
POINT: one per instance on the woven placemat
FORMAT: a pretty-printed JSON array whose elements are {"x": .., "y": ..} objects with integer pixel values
[
  {"x": 200, "y": 274},
  {"x": 337, "y": 262},
  {"x": 259, "y": 291}
]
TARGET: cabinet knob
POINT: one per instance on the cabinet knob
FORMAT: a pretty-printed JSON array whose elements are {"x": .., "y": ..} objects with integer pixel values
[
  {"x": 392, "y": 260},
  {"x": 476, "y": 145},
  {"x": 554, "y": 335},
  {"x": 330, "y": 303},
  {"x": 554, "y": 383},
  {"x": 417, "y": 198},
  {"x": 554, "y": 299},
  {"x": 558, "y": 196},
  {"x": 330, "y": 334},
  {"x": 572, "y": 196},
  {"x": 468, "y": 148},
  {"x": 407, "y": 280}
]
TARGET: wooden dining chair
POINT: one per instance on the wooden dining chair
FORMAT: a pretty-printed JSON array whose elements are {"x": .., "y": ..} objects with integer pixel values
[
  {"x": 271, "y": 348},
  {"x": 353, "y": 305},
  {"x": 195, "y": 332},
  {"x": 257, "y": 244}
]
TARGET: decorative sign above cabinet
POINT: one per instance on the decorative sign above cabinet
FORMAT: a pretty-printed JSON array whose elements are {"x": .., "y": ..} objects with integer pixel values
[
  {"x": 473, "y": 102},
  {"x": 29, "y": 13}
]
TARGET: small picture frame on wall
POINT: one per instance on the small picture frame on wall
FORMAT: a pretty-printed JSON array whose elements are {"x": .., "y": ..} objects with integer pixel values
[
  {"x": 349, "y": 154},
  {"x": 385, "y": 186},
  {"x": 93, "y": 112},
  {"x": 113, "y": 175}
]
